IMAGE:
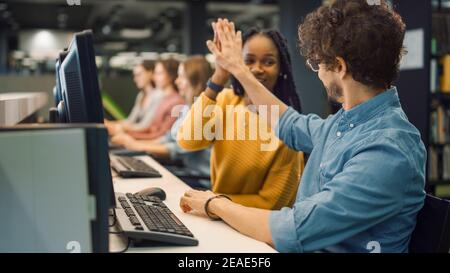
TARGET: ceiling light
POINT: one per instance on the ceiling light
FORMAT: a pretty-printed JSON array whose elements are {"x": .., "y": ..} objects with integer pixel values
[
  {"x": 106, "y": 30},
  {"x": 129, "y": 33}
]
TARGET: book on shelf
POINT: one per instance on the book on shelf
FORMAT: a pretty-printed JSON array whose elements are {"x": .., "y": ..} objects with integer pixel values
[
  {"x": 439, "y": 163},
  {"x": 434, "y": 76},
  {"x": 432, "y": 164},
  {"x": 440, "y": 74},
  {"x": 446, "y": 162},
  {"x": 440, "y": 125},
  {"x": 440, "y": 32},
  {"x": 445, "y": 75}
]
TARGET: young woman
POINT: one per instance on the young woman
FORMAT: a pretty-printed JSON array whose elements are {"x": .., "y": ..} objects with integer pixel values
[
  {"x": 162, "y": 119},
  {"x": 192, "y": 77},
  {"x": 240, "y": 167},
  {"x": 146, "y": 101}
]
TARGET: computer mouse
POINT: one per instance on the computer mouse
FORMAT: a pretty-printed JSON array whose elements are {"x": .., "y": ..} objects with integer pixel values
[{"x": 153, "y": 191}]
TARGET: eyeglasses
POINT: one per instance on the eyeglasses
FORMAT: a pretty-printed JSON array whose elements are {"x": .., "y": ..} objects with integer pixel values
[{"x": 313, "y": 65}]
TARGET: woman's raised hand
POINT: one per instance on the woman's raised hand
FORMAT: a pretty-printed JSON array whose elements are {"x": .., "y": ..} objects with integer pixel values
[{"x": 227, "y": 46}]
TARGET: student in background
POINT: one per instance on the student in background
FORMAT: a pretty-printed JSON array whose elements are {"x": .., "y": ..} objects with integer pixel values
[
  {"x": 192, "y": 77},
  {"x": 162, "y": 119},
  {"x": 146, "y": 101},
  {"x": 242, "y": 169}
]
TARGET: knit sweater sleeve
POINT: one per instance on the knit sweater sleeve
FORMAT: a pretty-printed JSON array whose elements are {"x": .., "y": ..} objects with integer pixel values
[
  {"x": 280, "y": 185},
  {"x": 205, "y": 113}
]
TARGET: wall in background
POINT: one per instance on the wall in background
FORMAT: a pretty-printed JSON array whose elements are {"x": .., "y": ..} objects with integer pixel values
[{"x": 309, "y": 87}]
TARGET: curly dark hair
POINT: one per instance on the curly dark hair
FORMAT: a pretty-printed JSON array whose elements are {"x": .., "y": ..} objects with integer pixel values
[
  {"x": 284, "y": 88},
  {"x": 368, "y": 37}
]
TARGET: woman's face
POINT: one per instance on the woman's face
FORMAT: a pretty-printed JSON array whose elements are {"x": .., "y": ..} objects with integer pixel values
[
  {"x": 142, "y": 77},
  {"x": 161, "y": 77},
  {"x": 262, "y": 58},
  {"x": 182, "y": 82}
]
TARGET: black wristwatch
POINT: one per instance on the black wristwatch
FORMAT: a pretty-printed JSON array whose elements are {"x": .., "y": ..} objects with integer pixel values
[{"x": 215, "y": 87}]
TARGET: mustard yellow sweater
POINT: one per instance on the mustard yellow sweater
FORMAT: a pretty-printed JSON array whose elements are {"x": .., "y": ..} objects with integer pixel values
[{"x": 241, "y": 168}]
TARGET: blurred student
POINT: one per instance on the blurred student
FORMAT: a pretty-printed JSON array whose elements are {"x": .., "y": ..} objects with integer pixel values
[
  {"x": 192, "y": 77},
  {"x": 146, "y": 101},
  {"x": 162, "y": 119},
  {"x": 241, "y": 168}
]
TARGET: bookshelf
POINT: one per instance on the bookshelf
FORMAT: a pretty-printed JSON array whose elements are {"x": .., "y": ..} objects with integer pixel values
[{"x": 439, "y": 99}]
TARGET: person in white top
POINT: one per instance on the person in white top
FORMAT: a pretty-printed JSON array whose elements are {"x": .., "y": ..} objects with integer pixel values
[{"x": 147, "y": 101}]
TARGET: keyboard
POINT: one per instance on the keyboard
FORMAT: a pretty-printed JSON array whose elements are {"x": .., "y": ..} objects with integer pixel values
[
  {"x": 127, "y": 166},
  {"x": 143, "y": 218}
]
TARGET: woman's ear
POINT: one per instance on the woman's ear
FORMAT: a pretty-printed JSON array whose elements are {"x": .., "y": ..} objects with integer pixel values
[{"x": 342, "y": 67}]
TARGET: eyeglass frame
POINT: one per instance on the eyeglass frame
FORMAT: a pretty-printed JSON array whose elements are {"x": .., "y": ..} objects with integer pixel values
[{"x": 311, "y": 66}]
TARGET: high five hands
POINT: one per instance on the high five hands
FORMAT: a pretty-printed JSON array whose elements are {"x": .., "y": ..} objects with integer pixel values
[{"x": 226, "y": 47}]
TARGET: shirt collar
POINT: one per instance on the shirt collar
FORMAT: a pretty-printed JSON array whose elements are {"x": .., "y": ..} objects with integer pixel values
[{"x": 370, "y": 108}]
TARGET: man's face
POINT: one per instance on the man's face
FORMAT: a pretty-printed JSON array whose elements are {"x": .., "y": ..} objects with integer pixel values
[{"x": 332, "y": 84}]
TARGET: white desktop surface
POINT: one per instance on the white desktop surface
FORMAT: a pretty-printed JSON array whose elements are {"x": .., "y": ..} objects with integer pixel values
[{"x": 213, "y": 236}]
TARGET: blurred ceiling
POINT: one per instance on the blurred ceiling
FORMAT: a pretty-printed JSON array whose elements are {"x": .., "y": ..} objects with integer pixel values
[{"x": 130, "y": 25}]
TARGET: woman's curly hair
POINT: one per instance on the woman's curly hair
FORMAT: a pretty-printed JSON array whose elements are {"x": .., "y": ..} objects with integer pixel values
[{"x": 368, "y": 37}]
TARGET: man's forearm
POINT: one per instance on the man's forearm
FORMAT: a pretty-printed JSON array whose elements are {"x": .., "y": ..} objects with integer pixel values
[{"x": 258, "y": 93}]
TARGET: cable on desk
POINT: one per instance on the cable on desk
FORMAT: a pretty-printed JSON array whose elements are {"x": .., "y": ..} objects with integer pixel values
[{"x": 128, "y": 242}]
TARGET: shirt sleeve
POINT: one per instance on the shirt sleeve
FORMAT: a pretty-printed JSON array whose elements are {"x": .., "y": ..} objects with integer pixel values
[
  {"x": 299, "y": 131},
  {"x": 358, "y": 198}
]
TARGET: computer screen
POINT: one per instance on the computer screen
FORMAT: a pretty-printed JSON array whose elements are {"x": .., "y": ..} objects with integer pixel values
[
  {"x": 81, "y": 100},
  {"x": 79, "y": 83}
]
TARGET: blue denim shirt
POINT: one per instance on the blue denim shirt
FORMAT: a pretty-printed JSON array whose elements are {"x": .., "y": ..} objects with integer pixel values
[{"x": 363, "y": 184}]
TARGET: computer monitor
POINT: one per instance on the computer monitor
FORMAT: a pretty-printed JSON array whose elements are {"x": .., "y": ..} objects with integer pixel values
[
  {"x": 56, "y": 188},
  {"x": 81, "y": 100},
  {"x": 79, "y": 90},
  {"x": 57, "y": 95},
  {"x": 58, "y": 113}
]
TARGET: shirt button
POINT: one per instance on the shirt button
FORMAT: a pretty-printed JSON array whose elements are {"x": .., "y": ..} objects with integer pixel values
[
  {"x": 352, "y": 125},
  {"x": 338, "y": 134},
  {"x": 321, "y": 165}
]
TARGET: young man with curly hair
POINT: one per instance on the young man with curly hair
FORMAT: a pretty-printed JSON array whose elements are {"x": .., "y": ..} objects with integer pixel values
[{"x": 364, "y": 181}]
